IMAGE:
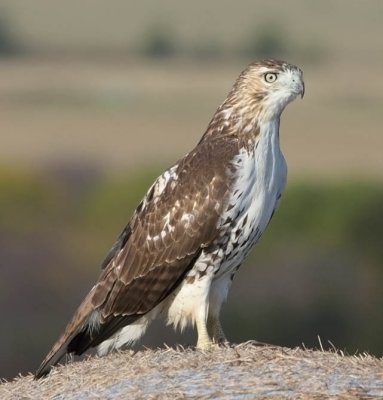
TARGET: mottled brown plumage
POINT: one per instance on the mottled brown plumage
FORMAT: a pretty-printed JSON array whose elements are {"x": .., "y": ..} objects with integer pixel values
[
  {"x": 141, "y": 272},
  {"x": 182, "y": 230},
  {"x": 152, "y": 266}
]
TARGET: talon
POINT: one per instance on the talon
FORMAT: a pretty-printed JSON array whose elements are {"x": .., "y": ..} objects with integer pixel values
[{"x": 207, "y": 346}]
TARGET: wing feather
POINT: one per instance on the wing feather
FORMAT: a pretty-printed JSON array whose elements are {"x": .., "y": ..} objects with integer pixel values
[
  {"x": 171, "y": 227},
  {"x": 177, "y": 219}
]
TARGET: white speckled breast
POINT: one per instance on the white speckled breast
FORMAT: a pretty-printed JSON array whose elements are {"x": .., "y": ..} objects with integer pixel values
[{"x": 258, "y": 187}]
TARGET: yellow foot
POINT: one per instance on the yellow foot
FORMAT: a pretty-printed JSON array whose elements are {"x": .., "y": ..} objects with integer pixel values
[
  {"x": 223, "y": 343},
  {"x": 207, "y": 346},
  {"x": 220, "y": 339}
]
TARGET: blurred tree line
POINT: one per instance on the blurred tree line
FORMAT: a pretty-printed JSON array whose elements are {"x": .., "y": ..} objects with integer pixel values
[
  {"x": 160, "y": 41},
  {"x": 316, "y": 271},
  {"x": 267, "y": 40}
]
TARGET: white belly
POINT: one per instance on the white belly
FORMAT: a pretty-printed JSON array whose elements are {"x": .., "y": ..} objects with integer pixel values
[{"x": 260, "y": 180}]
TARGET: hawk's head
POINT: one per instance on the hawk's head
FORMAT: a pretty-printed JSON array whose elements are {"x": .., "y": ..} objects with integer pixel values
[{"x": 267, "y": 86}]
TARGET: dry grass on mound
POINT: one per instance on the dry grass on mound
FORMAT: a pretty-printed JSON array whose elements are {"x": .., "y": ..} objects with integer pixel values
[{"x": 236, "y": 372}]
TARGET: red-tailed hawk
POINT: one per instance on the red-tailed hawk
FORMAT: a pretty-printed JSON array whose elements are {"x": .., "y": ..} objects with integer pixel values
[{"x": 195, "y": 226}]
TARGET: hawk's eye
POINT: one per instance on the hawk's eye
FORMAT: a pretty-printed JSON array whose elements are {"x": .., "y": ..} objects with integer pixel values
[{"x": 271, "y": 77}]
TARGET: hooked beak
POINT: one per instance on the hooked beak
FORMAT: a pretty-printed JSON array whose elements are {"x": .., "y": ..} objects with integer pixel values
[{"x": 303, "y": 90}]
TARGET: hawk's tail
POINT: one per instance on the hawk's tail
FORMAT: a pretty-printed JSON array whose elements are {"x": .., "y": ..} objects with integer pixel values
[
  {"x": 78, "y": 323},
  {"x": 84, "y": 331}
]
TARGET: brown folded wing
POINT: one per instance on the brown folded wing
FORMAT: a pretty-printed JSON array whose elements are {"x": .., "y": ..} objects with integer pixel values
[
  {"x": 177, "y": 219},
  {"x": 167, "y": 232}
]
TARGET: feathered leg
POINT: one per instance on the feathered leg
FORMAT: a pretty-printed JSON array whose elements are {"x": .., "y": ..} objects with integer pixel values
[
  {"x": 215, "y": 330},
  {"x": 204, "y": 342},
  {"x": 218, "y": 293}
]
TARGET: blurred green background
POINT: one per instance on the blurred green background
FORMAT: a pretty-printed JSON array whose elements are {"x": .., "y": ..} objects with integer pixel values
[{"x": 97, "y": 98}]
